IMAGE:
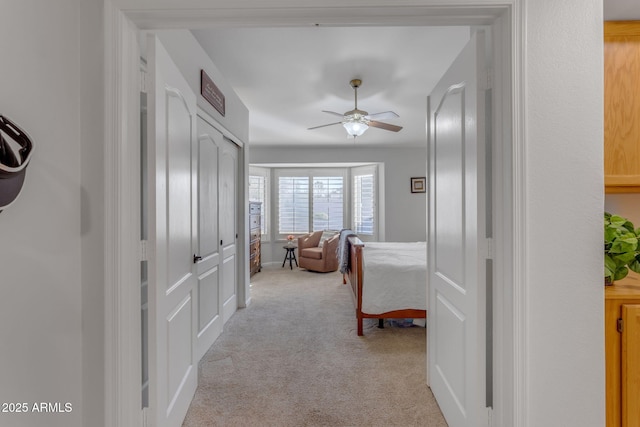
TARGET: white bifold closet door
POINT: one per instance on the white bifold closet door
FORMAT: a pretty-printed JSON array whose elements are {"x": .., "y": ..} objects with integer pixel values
[
  {"x": 229, "y": 226},
  {"x": 215, "y": 257},
  {"x": 209, "y": 255}
]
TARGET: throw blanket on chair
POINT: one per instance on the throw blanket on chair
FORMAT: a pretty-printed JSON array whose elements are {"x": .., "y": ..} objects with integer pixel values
[{"x": 343, "y": 251}]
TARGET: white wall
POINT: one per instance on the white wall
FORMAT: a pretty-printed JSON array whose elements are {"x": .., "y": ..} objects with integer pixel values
[
  {"x": 626, "y": 205},
  {"x": 41, "y": 292},
  {"x": 405, "y": 212},
  {"x": 92, "y": 209},
  {"x": 190, "y": 58},
  {"x": 564, "y": 203}
]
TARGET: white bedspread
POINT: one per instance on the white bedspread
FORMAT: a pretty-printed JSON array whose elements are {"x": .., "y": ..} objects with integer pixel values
[{"x": 395, "y": 276}]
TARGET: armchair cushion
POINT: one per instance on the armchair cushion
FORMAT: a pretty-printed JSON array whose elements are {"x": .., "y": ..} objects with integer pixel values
[
  {"x": 310, "y": 240},
  {"x": 314, "y": 253}
]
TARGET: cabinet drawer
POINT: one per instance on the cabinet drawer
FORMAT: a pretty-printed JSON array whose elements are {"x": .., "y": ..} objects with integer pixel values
[
  {"x": 255, "y": 235},
  {"x": 254, "y": 222},
  {"x": 254, "y": 209},
  {"x": 254, "y": 263}
]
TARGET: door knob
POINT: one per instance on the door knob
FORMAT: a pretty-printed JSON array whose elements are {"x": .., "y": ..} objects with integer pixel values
[{"x": 196, "y": 258}]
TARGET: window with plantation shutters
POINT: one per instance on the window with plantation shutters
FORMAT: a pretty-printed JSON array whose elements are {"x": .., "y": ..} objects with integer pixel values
[
  {"x": 328, "y": 203},
  {"x": 310, "y": 200},
  {"x": 256, "y": 188},
  {"x": 259, "y": 192},
  {"x": 293, "y": 206},
  {"x": 364, "y": 201},
  {"x": 323, "y": 198}
]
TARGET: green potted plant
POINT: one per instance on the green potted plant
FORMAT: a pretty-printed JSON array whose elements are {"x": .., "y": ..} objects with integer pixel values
[{"x": 621, "y": 248}]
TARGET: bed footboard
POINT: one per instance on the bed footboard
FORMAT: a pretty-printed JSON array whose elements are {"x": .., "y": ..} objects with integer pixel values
[{"x": 355, "y": 278}]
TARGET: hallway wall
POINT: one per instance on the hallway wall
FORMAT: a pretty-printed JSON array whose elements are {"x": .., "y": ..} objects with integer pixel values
[{"x": 41, "y": 296}]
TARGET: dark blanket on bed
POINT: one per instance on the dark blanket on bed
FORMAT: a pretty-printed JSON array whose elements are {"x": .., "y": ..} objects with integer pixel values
[{"x": 343, "y": 250}]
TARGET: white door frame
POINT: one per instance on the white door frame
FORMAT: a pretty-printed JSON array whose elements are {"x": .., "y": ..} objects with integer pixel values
[{"x": 123, "y": 18}]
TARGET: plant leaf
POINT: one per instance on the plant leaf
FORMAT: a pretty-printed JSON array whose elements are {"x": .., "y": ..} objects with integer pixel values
[
  {"x": 624, "y": 258},
  {"x": 620, "y": 273},
  {"x": 608, "y": 272},
  {"x": 617, "y": 220},
  {"x": 635, "y": 264},
  {"x": 610, "y": 234},
  {"x": 627, "y": 243}
]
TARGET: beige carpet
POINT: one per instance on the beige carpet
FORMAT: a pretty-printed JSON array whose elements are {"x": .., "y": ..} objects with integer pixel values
[{"x": 292, "y": 358}]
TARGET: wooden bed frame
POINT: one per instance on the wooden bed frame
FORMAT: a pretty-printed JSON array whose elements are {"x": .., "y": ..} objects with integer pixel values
[{"x": 355, "y": 278}]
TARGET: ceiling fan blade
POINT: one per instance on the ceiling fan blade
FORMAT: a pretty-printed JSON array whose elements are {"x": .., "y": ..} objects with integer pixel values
[
  {"x": 385, "y": 126},
  {"x": 321, "y": 126},
  {"x": 384, "y": 115},
  {"x": 333, "y": 112}
]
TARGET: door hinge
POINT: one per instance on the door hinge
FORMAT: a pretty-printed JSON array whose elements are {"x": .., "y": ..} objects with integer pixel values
[
  {"x": 619, "y": 325},
  {"x": 489, "y": 78},
  {"x": 144, "y": 81},
  {"x": 143, "y": 250}
]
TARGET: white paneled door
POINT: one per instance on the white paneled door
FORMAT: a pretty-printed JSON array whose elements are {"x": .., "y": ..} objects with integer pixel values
[
  {"x": 173, "y": 237},
  {"x": 457, "y": 240},
  {"x": 208, "y": 256},
  {"x": 228, "y": 226}
]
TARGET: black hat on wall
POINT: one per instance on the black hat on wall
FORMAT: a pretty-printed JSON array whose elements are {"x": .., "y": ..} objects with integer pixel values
[{"x": 15, "y": 153}]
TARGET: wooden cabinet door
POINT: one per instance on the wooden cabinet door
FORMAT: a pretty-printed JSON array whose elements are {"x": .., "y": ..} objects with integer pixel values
[
  {"x": 631, "y": 365},
  {"x": 622, "y": 106}
]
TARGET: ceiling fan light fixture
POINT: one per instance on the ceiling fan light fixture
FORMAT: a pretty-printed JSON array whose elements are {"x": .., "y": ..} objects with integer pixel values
[
  {"x": 356, "y": 122},
  {"x": 355, "y": 128}
]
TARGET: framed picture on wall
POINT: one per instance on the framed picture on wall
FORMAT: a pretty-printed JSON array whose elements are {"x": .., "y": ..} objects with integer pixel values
[{"x": 419, "y": 185}]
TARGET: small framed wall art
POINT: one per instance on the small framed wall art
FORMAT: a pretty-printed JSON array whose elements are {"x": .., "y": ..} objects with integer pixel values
[{"x": 419, "y": 185}]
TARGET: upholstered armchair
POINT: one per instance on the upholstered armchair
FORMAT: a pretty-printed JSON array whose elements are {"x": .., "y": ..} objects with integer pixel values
[{"x": 318, "y": 258}]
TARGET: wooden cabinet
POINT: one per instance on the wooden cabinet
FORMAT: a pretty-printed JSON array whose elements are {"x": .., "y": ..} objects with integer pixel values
[
  {"x": 622, "y": 345},
  {"x": 622, "y": 106},
  {"x": 255, "y": 211}
]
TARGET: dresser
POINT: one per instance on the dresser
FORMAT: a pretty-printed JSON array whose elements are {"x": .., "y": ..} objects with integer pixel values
[
  {"x": 255, "y": 210},
  {"x": 622, "y": 351}
]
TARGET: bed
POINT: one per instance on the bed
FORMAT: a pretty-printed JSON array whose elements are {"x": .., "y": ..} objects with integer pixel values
[{"x": 396, "y": 283}]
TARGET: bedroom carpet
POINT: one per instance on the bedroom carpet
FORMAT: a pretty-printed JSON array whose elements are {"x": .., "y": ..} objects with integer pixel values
[{"x": 292, "y": 358}]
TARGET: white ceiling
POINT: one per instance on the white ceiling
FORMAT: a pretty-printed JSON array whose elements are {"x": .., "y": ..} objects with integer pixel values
[{"x": 287, "y": 76}]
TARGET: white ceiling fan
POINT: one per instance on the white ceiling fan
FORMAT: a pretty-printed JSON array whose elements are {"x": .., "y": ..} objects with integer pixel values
[{"x": 356, "y": 122}]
